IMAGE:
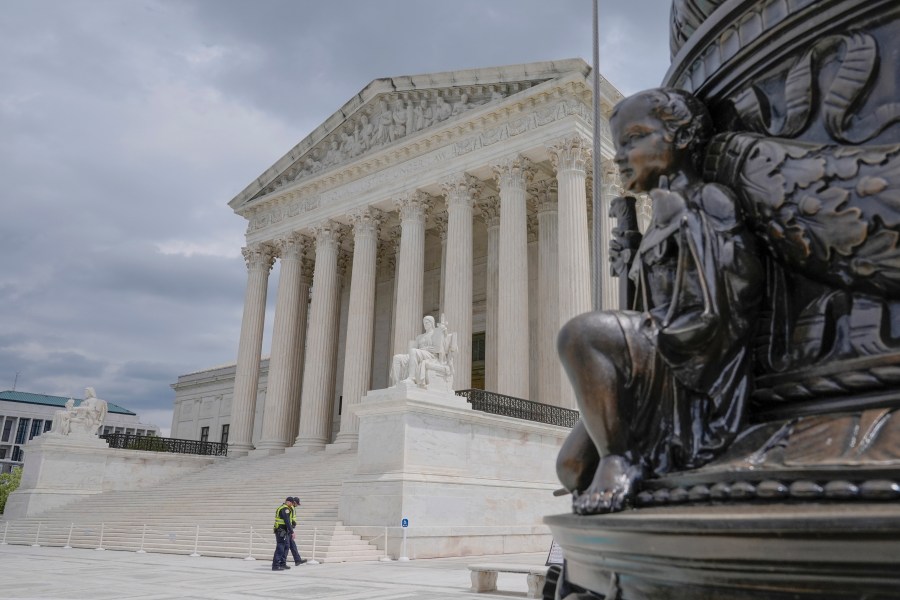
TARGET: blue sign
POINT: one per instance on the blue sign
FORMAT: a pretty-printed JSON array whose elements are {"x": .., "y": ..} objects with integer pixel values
[{"x": 404, "y": 523}]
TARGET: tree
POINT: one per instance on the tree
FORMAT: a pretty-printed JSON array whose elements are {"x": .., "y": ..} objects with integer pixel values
[{"x": 9, "y": 482}]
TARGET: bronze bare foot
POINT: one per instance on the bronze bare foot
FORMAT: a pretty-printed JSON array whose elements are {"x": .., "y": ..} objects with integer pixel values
[{"x": 611, "y": 490}]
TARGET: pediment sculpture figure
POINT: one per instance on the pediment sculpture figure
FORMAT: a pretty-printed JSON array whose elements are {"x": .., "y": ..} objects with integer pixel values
[
  {"x": 429, "y": 362},
  {"x": 665, "y": 387},
  {"x": 83, "y": 420}
]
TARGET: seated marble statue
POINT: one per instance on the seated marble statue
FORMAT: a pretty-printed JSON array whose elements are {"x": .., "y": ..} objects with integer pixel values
[
  {"x": 82, "y": 420},
  {"x": 664, "y": 388},
  {"x": 62, "y": 419},
  {"x": 429, "y": 360}
]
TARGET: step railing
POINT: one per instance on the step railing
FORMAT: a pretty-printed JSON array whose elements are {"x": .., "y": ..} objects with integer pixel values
[
  {"x": 152, "y": 443},
  {"x": 510, "y": 406},
  {"x": 105, "y": 535}
]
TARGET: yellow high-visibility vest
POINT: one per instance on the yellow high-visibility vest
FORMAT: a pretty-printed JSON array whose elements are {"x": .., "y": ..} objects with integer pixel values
[{"x": 279, "y": 522}]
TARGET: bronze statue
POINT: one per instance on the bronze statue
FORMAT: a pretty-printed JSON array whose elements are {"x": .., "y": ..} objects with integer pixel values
[{"x": 664, "y": 387}]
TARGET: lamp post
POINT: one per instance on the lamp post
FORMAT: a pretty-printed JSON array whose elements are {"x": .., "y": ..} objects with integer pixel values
[{"x": 597, "y": 188}]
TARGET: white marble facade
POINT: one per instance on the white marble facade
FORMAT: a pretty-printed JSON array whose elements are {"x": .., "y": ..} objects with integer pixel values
[{"x": 464, "y": 194}]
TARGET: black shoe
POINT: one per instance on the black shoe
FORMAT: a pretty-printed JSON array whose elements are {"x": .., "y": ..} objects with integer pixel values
[
  {"x": 277, "y": 568},
  {"x": 299, "y": 562},
  {"x": 285, "y": 567}
]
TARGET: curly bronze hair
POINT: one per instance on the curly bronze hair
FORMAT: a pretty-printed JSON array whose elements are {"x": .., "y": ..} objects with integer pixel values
[{"x": 684, "y": 116}]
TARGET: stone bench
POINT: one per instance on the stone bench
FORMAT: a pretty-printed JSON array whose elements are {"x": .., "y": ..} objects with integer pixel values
[{"x": 484, "y": 577}]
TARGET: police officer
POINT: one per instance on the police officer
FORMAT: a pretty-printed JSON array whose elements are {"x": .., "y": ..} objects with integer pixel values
[
  {"x": 284, "y": 533},
  {"x": 295, "y": 501}
]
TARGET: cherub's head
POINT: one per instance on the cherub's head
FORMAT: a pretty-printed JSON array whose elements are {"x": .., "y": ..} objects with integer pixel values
[{"x": 658, "y": 132}]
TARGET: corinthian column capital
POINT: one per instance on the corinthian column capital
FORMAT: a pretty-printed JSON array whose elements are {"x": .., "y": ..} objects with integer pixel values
[
  {"x": 460, "y": 188},
  {"x": 259, "y": 256},
  {"x": 365, "y": 222},
  {"x": 570, "y": 153},
  {"x": 514, "y": 171},
  {"x": 489, "y": 205},
  {"x": 545, "y": 196},
  {"x": 413, "y": 206},
  {"x": 328, "y": 234},
  {"x": 292, "y": 247}
]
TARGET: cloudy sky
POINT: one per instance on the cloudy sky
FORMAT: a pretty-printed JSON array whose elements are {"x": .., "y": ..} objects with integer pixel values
[{"x": 127, "y": 125}]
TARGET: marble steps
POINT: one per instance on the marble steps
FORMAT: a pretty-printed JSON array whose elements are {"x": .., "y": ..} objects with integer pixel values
[{"x": 224, "y": 499}]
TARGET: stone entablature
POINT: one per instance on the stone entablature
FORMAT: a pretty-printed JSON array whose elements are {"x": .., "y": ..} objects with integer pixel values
[
  {"x": 478, "y": 133},
  {"x": 481, "y": 86}
]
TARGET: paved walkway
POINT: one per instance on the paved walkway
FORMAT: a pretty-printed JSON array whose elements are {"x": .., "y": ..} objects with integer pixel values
[{"x": 55, "y": 573}]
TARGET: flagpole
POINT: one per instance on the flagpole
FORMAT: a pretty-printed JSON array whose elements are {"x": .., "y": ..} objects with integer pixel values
[{"x": 597, "y": 191}]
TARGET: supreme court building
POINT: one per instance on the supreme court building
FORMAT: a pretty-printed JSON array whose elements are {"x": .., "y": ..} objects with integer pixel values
[{"x": 464, "y": 194}]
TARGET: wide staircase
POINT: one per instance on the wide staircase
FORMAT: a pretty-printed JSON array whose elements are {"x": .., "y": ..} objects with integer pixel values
[{"x": 226, "y": 509}]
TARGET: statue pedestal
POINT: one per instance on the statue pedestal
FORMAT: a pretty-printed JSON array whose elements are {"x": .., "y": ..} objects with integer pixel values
[
  {"x": 735, "y": 552},
  {"x": 61, "y": 469},
  {"x": 469, "y": 482}
]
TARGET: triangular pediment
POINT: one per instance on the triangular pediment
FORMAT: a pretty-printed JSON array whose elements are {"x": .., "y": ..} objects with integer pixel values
[{"x": 388, "y": 110}]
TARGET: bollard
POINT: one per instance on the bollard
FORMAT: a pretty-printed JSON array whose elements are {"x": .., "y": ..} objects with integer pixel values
[
  {"x": 69, "y": 539},
  {"x": 196, "y": 542},
  {"x": 143, "y": 537},
  {"x": 250, "y": 553},
  {"x": 36, "y": 536},
  {"x": 385, "y": 558},
  {"x": 403, "y": 557},
  {"x": 5, "y": 529},
  {"x": 313, "y": 560},
  {"x": 100, "y": 547}
]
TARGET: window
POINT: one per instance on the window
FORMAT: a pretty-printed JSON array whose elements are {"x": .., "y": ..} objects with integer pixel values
[
  {"x": 47, "y": 425},
  {"x": 204, "y": 434},
  {"x": 7, "y": 428},
  {"x": 37, "y": 425},
  {"x": 478, "y": 347},
  {"x": 2, "y": 453},
  {"x": 224, "y": 438},
  {"x": 21, "y": 431},
  {"x": 107, "y": 429},
  {"x": 17, "y": 455}
]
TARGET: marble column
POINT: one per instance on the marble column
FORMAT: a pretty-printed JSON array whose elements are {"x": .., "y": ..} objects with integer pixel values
[
  {"x": 306, "y": 275},
  {"x": 610, "y": 285},
  {"x": 570, "y": 157},
  {"x": 490, "y": 214},
  {"x": 279, "y": 397},
  {"x": 458, "y": 272},
  {"x": 318, "y": 372},
  {"x": 512, "y": 346},
  {"x": 259, "y": 259},
  {"x": 440, "y": 225},
  {"x": 548, "y": 293},
  {"x": 360, "y": 321},
  {"x": 408, "y": 304}
]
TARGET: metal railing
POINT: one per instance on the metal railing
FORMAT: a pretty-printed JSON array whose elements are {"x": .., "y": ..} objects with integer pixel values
[
  {"x": 510, "y": 406},
  {"x": 129, "y": 441}
]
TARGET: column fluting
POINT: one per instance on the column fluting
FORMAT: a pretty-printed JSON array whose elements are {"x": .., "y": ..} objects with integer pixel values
[
  {"x": 512, "y": 347},
  {"x": 409, "y": 301},
  {"x": 458, "y": 272},
  {"x": 360, "y": 320},
  {"x": 570, "y": 157},
  {"x": 259, "y": 259},
  {"x": 318, "y": 373},
  {"x": 490, "y": 214},
  {"x": 283, "y": 359},
  {"x": 548, "y": 293}
]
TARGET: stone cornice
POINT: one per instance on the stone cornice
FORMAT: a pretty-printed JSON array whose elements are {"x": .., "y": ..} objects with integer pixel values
[
  {"x": 541, "y": 106},
  {"x": 488, "y": 82}
]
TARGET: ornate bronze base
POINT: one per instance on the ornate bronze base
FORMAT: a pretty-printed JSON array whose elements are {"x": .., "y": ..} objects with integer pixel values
[{"x": 733, "y": 552}]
